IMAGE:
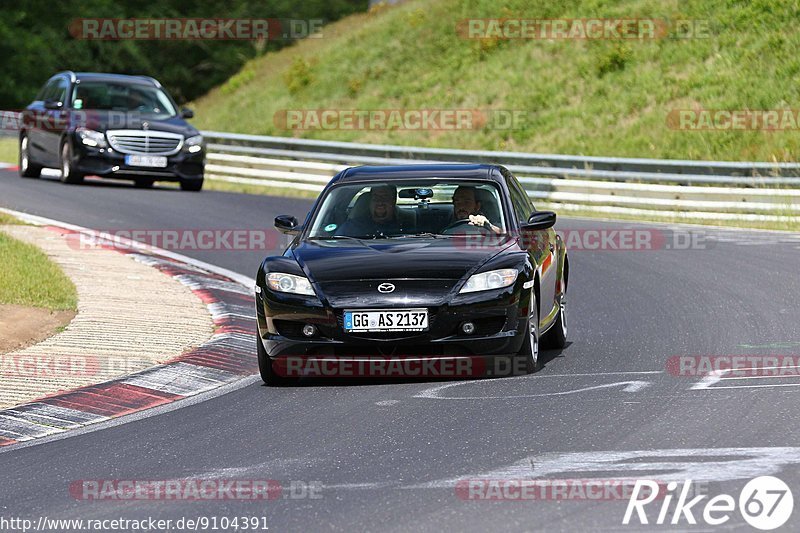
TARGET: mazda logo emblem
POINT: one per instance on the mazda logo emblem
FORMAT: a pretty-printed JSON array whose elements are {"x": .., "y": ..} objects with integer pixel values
[{"x": 385, "y": 288}]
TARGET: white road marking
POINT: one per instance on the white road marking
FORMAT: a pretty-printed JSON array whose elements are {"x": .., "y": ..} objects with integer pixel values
[
  {"x": 384, "y": 403},
  {"x": 697, "y": 464},
  {"x": 433, "y": 393},
  {"x": 713, "y": 377},
  {"x": 761, "y": 377},
  {"x": 716, "y": 376},
  {"x": 755, "y": 386}
]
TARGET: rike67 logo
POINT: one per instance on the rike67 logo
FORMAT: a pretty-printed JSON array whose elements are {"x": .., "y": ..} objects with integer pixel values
[{"x": 766, "y": 503}]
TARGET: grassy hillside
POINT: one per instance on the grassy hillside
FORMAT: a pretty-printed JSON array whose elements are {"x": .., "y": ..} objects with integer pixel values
[{"x": 582, "y": 96}]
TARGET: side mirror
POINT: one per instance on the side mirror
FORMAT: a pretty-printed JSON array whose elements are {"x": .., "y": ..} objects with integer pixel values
[
  {"x": 187, "y": 113},
  {"x": 286, "y": 224},
  {"x": 540, "y": 220},
  {"x": 53, "y": 104}
]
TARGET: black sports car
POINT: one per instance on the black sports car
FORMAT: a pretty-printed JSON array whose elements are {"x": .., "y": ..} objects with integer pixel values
[{"x": 420, "y": 263}]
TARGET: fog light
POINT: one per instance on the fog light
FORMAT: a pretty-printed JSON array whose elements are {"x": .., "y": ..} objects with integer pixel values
[
  {"x": 468, "y": 328},
  {"x": 309, "y": 330}
]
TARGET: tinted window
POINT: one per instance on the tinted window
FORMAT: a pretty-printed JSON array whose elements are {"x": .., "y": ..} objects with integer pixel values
[
  {"x": 60, "y": 90},
  {"x": 519, "y": 198},
  {"x": 124, "y": 97},
  {"x": 405, "y": 208},
  {"x": 47, "y": 90}
]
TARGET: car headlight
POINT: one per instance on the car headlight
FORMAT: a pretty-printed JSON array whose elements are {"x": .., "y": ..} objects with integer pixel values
[
  {"x": 193, "y": 144},
  {"x": 494, "y": 279},
  {"x": 92, "y": 138},
  {"x": 280, "y": 282}
]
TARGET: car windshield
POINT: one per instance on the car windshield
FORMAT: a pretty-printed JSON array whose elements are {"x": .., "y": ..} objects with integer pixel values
[
  {"x": 123, "y": 97},
  {"x": 414, "y": 208}
]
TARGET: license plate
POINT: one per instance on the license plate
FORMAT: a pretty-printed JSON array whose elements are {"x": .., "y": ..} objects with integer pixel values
[
  {"x": 157, "y": 161},
  {"x": 388, "y": 320}
]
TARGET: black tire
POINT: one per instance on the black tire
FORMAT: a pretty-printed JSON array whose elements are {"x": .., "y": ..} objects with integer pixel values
[
  {"x": 556, "y": 336},
  {"x": 68, "y": 175},
  {"x": 27, "y": 168},
  {"x": 529, "y": 351},
  {"x": 268, "y": 374},
  {"x": 143, "y": 183},
  {"x": 192, "y": 185}
]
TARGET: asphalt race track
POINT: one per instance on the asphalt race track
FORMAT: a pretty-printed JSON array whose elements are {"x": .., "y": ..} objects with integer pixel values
[{"x": 389, "y": 455}]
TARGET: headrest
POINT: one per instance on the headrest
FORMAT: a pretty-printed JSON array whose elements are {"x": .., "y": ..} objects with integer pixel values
[
  {"x": 489, "y": 205},
  {"x": 361, "y": 207}
]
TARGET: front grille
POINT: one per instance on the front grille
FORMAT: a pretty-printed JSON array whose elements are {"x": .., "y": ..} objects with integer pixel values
[{"x": 145, "y": 142}]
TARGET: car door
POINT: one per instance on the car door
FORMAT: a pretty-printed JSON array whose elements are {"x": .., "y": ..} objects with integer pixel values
[
  {"x": 56, "y": 120},
  {"x": 34, "y": 120},
  {"x": 541, "y": 246}
]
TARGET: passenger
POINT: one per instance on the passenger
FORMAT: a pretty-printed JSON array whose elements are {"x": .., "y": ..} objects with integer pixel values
[{"x": 382, "y": 219}]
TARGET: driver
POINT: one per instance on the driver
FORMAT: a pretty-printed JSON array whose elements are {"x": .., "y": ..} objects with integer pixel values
[{"x": 466, "y": 206}]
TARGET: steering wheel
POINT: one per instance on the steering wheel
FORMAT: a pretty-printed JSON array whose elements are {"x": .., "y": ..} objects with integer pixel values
[{"x": 464, "y": 222}]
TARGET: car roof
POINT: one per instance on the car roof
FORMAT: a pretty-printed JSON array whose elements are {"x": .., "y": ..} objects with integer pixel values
[
  {"x": 109, "y": 77},
  {"x": 433, "y": 170}
]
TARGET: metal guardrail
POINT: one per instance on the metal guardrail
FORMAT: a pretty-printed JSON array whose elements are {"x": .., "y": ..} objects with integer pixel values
[{"x": 669, "y": 188}]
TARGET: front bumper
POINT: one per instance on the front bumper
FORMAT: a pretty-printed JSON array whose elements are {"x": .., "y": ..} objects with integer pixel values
[
  {"x": 109, "y": 163},
  {"x": 500, "y": 317}
]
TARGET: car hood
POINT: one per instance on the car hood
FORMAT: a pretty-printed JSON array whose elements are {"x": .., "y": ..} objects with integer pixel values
[
  {"x": 418, "y": 258},
  {"x": 105, "y": 120}
]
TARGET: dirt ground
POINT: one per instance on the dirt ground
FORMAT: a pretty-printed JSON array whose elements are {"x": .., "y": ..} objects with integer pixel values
[{"x": 22, "y": 326}]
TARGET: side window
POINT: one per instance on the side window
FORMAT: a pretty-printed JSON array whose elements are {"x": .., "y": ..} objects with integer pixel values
[
  {"x": 47, "y": 90},
  {"x": 519, "y": 198},
  {"x": 60, "y": 93}
]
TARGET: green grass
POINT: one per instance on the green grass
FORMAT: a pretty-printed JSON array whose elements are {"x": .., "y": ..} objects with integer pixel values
[
  {"x": 28, "y": 277},
  {"x": 8, "y": 150},
  {"x": 588, "y": 97},
  {"x": 5, "y": 218}
]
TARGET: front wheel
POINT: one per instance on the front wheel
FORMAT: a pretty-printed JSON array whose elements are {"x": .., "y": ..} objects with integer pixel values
[
  {"x": 530, "y": 346},
  {"x": 192, "y": 185},
  {"x": 68, "y": 174},
  {"x": 27, "y": 168}
]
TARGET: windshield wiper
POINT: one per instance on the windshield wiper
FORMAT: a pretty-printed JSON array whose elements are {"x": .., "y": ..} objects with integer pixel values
[
  {"x": 338, "y": 237},
  {"x": 421, "y": 234},
  {"x": 359, "y": 240}
]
